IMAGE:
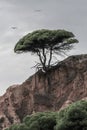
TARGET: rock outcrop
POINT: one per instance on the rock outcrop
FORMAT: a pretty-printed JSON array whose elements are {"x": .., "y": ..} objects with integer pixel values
[{"x": 62, "y": 85}]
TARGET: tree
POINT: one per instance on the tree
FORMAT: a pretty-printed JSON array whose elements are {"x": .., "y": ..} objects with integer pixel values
[{"x": 45, "y": 44}]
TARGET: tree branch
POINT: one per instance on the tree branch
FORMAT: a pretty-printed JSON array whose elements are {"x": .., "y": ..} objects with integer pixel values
[
  {"x": 43, "y": 62},
  {"x": 38, "y": 53},
  {"x": 50, "y": 57},
  {"x": 44, "y": 55}
]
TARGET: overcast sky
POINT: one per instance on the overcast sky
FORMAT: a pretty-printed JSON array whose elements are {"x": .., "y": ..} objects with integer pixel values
[{"x": 30, "y": 15}]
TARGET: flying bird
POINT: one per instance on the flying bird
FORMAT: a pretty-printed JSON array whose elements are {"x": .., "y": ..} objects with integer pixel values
[
  {"x": 14, "y": 27},
  {"x": 38, "y": 10}
]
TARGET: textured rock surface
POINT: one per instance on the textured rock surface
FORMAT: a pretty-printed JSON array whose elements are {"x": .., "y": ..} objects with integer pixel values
[{"x": 62, "y": 85}]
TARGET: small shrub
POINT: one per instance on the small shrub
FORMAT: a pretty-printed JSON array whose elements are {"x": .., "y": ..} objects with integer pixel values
[
  {"x": 73, "y": 118},
  {"x": 45, "y": 120}
]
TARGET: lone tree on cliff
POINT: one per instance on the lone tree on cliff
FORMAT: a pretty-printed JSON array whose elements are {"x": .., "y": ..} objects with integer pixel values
[{"x": 45, "y": 44}]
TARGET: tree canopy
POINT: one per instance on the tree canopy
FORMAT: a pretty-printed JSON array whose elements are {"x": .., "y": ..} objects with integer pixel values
[
  {"x": 73, "y": 117},
  {"x": 45, "y": 44}
]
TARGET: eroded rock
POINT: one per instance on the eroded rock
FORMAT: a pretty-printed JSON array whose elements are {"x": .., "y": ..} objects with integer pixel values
[{"x": 54, "y": 90}]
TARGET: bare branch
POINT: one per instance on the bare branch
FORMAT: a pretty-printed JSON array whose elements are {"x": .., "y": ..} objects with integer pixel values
[{"x": 50, "y": 58}]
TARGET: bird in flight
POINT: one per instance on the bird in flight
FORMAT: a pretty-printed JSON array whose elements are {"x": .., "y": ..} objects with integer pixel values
[
  {"x": 14, "y": 27},
  {"x": 38, "y": 10}
]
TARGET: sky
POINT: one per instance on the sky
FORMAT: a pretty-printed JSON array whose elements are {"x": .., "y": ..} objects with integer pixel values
[{"x": 19, "y": 17}]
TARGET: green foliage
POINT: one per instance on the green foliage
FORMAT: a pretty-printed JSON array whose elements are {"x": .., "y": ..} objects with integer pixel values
[
  {"x": 47, "y": 123},
  {"x": 34, "y": 126},
  {"x": 22, "y": 127},
  {"x": 45, "y": 120},
  {"x": 13, "y": 127},
  {"x": 73, "y": 117},
  {"x": 45, "y": 43},
  {"x": 18, "y": 127},
  {"x": 38, "y": 121},
  {"x": 43, "y": 39}
]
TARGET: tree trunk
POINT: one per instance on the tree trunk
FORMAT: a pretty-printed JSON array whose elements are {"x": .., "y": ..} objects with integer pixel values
[{"x": 42, "y": 60}]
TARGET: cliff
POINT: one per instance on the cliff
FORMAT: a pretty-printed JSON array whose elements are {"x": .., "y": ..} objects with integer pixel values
[{"x": 63, "y": 84}]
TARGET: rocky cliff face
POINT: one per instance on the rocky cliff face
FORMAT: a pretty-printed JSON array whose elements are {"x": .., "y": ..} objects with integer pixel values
[{"x": 54, "y": 90}]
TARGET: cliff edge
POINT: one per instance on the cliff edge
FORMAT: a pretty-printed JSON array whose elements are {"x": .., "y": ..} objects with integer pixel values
[{"x": 62, "y": 85}]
